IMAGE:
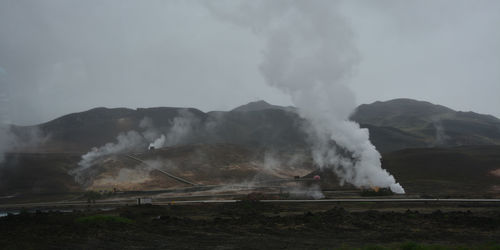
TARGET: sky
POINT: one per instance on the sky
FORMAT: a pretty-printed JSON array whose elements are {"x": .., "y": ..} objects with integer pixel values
[{"x": 64, "y": 56}]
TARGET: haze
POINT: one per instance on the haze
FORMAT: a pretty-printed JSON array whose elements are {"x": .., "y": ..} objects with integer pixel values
[{"x": 58, "y": 57}]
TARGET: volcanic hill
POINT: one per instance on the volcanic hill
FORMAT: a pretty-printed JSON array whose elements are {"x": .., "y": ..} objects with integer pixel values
[
  {"x": 393, "y": 125},
  {"x": 429, "y": 148}
]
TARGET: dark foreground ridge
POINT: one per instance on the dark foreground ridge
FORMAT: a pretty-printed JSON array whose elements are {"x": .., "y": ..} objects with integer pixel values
[{"x": 252, "y": 225}]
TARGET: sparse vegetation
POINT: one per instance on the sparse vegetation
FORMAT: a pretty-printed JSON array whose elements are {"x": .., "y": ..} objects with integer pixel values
[
  {"x": 99, "y": 219},
  {"x": 422, "y": 246},
  {"x": 251, "y": 225}
]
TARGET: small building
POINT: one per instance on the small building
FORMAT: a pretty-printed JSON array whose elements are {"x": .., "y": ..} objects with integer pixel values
[{"x": 144, "y": 201}]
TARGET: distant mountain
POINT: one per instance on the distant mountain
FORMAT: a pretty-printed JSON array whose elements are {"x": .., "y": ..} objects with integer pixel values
[
  {"x": 261, "y": 105},
  {"x": 79, "y": 132},
  {"x": 393, "y": 125},
  {"x": 405, "y": 114},
  {"x": 84, "y": 130},
  {"x": 429, "y": 124}
]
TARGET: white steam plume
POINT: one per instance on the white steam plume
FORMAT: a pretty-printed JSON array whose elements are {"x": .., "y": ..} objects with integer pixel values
[
  {"x": 134, "y": 141},
  {"x": 151, "y": 133},
  {"x": 7, "y": 140},
  {"x": 22, "y": 139},
  {"x": 125, "y": 142},
  {"x": 440, "y": 137},
  {"x": 310, "y": 55},
  {"x": 182, "y": 127},
  {"x": 158, "y": 143}
]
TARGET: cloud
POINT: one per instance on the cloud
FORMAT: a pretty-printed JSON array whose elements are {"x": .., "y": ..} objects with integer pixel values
[{"x": 105, "y": 53}]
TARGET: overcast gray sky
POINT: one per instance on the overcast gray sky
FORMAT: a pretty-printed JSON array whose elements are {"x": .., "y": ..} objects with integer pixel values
[{"x": 63, "y": 56}]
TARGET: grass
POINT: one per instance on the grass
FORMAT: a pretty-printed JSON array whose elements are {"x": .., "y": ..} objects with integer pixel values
[
  {"x": 98, "y": 219},
  {"x": 419, "y": 246}
]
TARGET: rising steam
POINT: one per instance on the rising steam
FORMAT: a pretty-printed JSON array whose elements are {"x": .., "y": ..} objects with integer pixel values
[
  {"x": 158, "y": 143},
  {"x": 20, "y": 139},
  {"x": 125, "y": 142},
  {"x": 310, "y": 55},
  {"x": 131, "y": 141},
  {"x": 182, "y": 127},
  {"x": 6, "y": 140}
]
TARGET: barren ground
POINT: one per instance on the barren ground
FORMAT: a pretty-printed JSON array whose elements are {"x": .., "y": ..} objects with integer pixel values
[{"x": 256, "y": 225}]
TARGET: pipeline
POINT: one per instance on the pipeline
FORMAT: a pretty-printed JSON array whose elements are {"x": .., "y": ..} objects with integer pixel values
[{"x": 179, "y": 179}]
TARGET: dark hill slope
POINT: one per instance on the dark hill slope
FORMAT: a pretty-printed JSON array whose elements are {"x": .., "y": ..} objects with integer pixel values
[
  {"x": 95, "y": 127},
  {"x": 429, "y": 124},
  {"x": 460, "y": 170},
  {"x": 405, "y": 114},
  {"x": 261, "y": 105},
  {"x": 37, "y": 173},
  {"x": 264, "y": 128},
  {"x": 467, "y": 171},
  {"x": 393, "y": 125},
  {"x": 80, "y": 132},
  {"x": 388, "y": 139}
]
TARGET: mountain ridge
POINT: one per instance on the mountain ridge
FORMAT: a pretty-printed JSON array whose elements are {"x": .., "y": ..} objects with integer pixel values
[
  {"x": 393, "y": 125},
  {"x": 261, "y": 105}
]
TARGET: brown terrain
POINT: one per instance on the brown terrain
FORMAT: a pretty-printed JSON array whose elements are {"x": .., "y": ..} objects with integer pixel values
[{"x": 456, "y": 172}]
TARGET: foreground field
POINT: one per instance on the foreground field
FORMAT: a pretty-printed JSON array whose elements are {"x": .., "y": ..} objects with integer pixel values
[{"x": 257, "y": 225}]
